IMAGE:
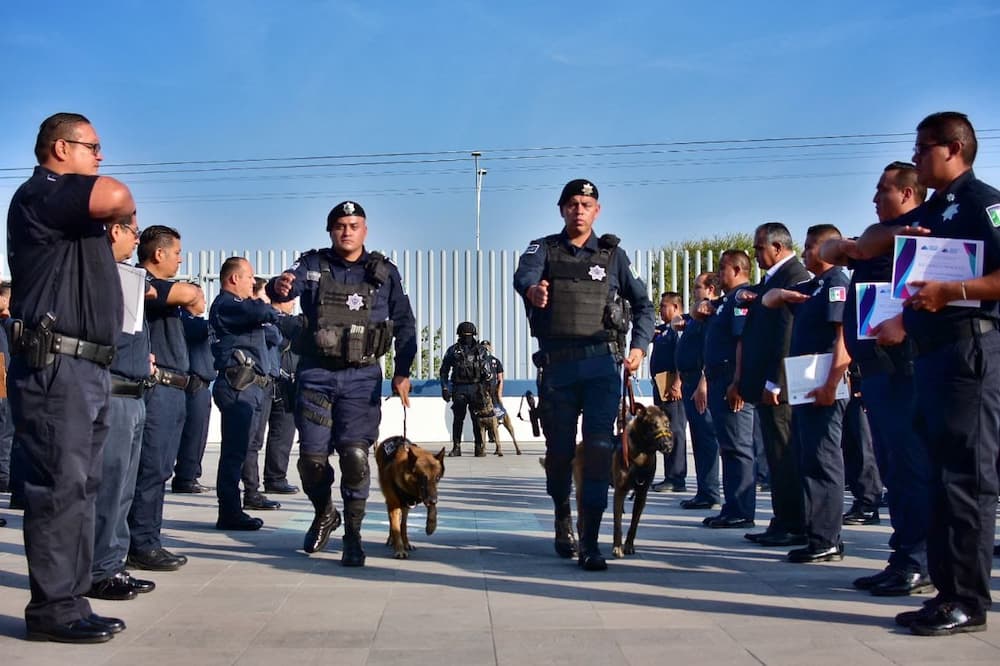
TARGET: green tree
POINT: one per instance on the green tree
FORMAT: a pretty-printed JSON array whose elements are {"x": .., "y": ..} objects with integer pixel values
[
  {"x": 716, "y": 245},
  {"x": 428, "y": 366}
]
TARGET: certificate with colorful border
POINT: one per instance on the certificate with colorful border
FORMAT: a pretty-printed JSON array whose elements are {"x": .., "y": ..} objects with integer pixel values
[
  {"x": 937, "y": 259},
  {"x": 875, "y": 305}
]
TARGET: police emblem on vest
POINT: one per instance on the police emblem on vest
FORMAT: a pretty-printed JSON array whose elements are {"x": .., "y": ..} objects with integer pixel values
[
  {"x": 344, "y": 329},
  {"x": 581, "y": 304}
]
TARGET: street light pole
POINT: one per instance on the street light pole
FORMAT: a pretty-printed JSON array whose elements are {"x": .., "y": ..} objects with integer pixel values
[{"x": 479, "y": 189}]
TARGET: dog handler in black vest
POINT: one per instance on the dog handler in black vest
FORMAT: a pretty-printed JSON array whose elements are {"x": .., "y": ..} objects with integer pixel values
[{"x": 576, "y": 288}]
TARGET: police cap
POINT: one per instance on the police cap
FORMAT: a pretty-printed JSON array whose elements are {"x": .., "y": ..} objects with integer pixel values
[
  {"x": 344, "y": 209},
  {"x": 466, "y": 328},
  {"x": 575, "y": 187}
]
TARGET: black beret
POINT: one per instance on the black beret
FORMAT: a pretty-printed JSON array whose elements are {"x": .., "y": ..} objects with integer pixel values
[
  {"x": 344, "y": 209},
  {"x": 578, "y": 186}
]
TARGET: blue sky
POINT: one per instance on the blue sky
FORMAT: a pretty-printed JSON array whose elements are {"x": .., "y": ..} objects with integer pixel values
[{"x": 547, "y": 93}]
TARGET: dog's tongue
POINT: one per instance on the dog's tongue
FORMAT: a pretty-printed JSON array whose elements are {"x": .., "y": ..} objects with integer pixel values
[{"x": 432, "y": 519}]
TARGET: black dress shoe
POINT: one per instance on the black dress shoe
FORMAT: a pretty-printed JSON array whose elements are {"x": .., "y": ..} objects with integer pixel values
[
  {"x": 260, "y": 502},
  {"x": 139, "y": 585},
  {"x": 868, "y": 582},
  {"x": 188, "y": 488},
  {"x": 112, "y": 624},
  {"x": 906, "y": 618},
  {"x": 696, "y": 503},
  {"x": 721, "y": 523},
  {"x": 859, "y": 516},
  {"x": 805, "y": 555},
  {"x": 78, "y": 631},
  {"x": 782, "y": 539},
  {"x": 115, "y": 588},
  {"x": 280, "y": 488},
  {"x": 158, "y": 559},
  {"x": 241, "y": 523},
  {"x": 948, "y": 619},
  {"x": 903, "y": 583}
]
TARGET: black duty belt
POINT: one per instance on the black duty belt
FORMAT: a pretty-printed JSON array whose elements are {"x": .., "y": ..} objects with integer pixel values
[
  {"x": 947, "y": 333},
  {"x": 127, "y": 388},
  {"x": 171, "y": 379},
  {"x": 542, "y": 359},
  {"x": 89, "y": 351},
  {"x": 718, "y": 370},
  {"x": 195, "y": 384},
  {"x": 329, "y": 363}
]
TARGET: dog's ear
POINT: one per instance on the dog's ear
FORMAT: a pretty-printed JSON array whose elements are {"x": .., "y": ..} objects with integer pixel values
[
  {"x": 440, "y": 456},
  {"x": 411, "y": 456}
]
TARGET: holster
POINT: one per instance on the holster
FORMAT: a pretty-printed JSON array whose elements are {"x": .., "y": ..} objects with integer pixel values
[
  {"x": 239, "y": 376},
  {"x": 35, "y": 345}
]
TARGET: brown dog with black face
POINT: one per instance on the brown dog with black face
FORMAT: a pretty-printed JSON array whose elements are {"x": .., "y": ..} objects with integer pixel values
[
  {"x": 485, "y": 418},
  {"x": 648, "y": 435},
  {"x": 408, "y": 476}
]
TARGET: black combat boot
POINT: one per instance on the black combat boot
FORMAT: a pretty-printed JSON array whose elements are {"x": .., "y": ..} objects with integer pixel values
[
  {"x": 317, "y": 477},
  {"x": 456, "y": 450},
  {"x": 565, "y": 537},
  {"x": 590, "y": 558},
  {"x": 354, "y": 554}
]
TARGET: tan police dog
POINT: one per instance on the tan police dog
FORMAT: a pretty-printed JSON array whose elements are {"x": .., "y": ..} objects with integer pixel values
[
  {"x": 408, "y": 476},
  {"x": 484, "y": 414},
  {"x": 649, "y": 435}
]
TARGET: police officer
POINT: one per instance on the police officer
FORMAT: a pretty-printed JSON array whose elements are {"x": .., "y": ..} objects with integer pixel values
[
  {"x": 238, "y": 345},
  {"x": 957, "y": 376},
  {"x": 160, "y": 254},
  {"x": 354, "y": 304},
  {"x": 690, "y": 359},
  {"x": 67, "y": 293},
  {"x": 663, "y": 363},
  {"x": 575, "y": 287},
  {"x": 464, "y": 368},
  {"x": 733, "y": 420},
  {"x": 281, "y": 421},
  {"x": 818, "y": 306},
  {"x": 198, "y": 406},
  {"x": 887, "y": 391},
  {"x": 130, "y": 371}
]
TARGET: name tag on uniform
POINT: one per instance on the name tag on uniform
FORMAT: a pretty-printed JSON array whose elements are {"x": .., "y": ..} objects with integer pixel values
[{"x": 313, "y": 276}]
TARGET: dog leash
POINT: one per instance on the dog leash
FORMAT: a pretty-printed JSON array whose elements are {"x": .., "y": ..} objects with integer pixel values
[{"x": 627, "y": 409}]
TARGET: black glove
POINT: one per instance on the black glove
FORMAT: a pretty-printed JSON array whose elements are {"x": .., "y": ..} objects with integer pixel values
[{"x": 445, "y": 394}]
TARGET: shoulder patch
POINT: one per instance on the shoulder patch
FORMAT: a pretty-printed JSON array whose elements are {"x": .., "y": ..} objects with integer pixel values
[
  {"x": 740, "y": 312},
  {"x": 531, "y": 249},
  {"x": 994, "y": 214},
  {"x": 837, "y": 294}
]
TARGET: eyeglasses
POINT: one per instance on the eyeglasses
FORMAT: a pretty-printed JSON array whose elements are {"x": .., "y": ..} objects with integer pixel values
[
  {"x": 94, "y": 147},
  {"x": 135, "y": 232},
  {"x": 921, "y": 148}
]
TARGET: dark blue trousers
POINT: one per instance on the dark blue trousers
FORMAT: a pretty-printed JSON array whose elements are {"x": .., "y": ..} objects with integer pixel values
[
  {"x": 349, "y": 402},
  {"x": 240, "y": 414},
  {"x": 126, "y": 418},
  {"x": 194, "y": 435},
  {"x": 251, "y": 467},
  {"x": 958, "y": 417},
  {"x": 734, "y": 431},
  {"x": 6, "y": 440},
  {"x": 61, "y": 416},
  {"x": 816, "y": 434},
  {"x": 675, "y": 466},
  {"x": 860, "y": 468},
  {"x": 161, "y": 436},
  {"x": 280, "y": 437},
  {"x": 905, "y": 465},
  {"x": 704, "y": 443},
  {"x": 591, "y": 387}
]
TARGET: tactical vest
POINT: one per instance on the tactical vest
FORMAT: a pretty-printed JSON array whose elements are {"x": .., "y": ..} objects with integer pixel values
[
  {"x": 344, "y": 329},
  {"x": 579, "y": 295},
  {"x": 471, "y": 365}
]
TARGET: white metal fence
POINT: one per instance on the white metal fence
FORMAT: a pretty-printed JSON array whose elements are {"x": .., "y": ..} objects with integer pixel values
[{"x": 449, "y": 287}]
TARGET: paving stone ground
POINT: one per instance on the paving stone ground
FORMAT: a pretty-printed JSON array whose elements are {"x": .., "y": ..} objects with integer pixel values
[{"x": 487, "y": 588}]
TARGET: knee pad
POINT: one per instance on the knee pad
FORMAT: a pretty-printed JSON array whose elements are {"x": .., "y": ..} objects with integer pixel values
[
  {"x": 354, "y": 468},
  {"x": 315, "y": 470}
]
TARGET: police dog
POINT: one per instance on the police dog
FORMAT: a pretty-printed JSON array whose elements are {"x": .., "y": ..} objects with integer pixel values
[
  {"x": 649, "y": 435},
  {"x": 485, "y": 415},
  {"x": 408, "y": 476}
]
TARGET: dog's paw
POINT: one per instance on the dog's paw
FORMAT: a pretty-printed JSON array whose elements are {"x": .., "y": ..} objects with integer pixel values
[
  {"x": 617, "y": 552},
  {"x": 401, "y": 555},
  {"x": 629, "y": 549},
  {"x": 409, "y": 546},
  {"x": 388, "y": 540},
  {"x": 499, "y": 452}
]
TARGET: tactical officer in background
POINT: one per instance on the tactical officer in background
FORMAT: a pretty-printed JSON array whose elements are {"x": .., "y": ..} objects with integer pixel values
[
  {"x": 67, "y": 293},
  {"x": 244, "y": 364},
  {"x": 354, "y": 304},
  {"x": 577, "y": 288},
  {"x": 464, "y": 368}
]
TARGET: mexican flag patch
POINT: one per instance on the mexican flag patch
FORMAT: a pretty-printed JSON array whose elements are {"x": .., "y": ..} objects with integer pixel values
[
  {"x": 994, "y": 213},
  {"x": 838, "y": 294}
]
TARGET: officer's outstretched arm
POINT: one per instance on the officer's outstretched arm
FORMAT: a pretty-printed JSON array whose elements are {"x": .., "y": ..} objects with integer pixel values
[
  {"x": 188, "y": 296},
  {"x": 110, "y": 198}
]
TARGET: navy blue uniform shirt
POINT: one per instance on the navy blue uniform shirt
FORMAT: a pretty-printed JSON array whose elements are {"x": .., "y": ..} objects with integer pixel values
[
  {"x": 724, "y": 329},
  {"x": 661, "y": 358},
  {"x": 813, "y": 330},
  {"x": 391, "y": 302},
  {"x": 690, "y": 353},
  {"x": 60, "y": 259},
  {"x": 531, "y": 270},
  {"x": 199, "y": 346},
  {"x": 968, "y": 208},
  {"x": 275, "y": 343},
  {"x": 166, "y": 332},
  {"x": 132, "y": 354},
  {"x": 238, "y": 323}
]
